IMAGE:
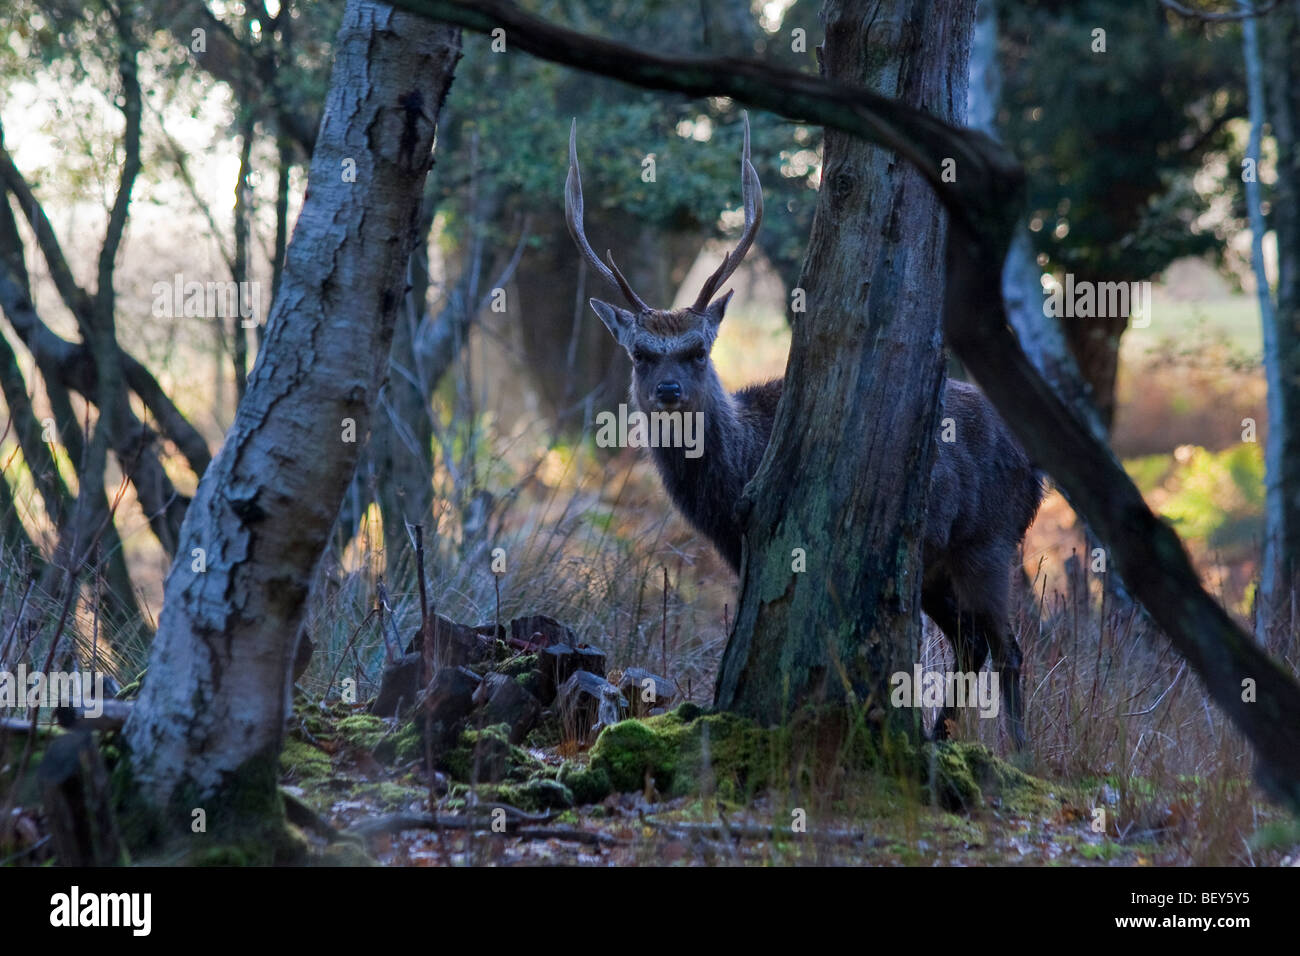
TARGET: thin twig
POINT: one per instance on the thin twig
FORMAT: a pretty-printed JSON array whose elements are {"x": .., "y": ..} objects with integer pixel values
[{"x": 344, "y": 654}]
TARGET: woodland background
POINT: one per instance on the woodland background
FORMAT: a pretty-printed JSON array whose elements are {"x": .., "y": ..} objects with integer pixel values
[{"x": 128, "y": 158}]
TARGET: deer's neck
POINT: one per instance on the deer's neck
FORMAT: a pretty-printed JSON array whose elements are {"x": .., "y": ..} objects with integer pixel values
[{"x": 706, "y": 487}]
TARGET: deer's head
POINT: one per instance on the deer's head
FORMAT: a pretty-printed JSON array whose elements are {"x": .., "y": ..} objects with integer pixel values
[{"x": 669, "y": 347}]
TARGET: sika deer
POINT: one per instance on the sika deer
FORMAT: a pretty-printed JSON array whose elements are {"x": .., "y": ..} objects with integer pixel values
[{"x": 983, "y": 490}]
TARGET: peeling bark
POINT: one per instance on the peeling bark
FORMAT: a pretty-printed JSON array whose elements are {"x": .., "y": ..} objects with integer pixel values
[{"x": 215, "y": 701}]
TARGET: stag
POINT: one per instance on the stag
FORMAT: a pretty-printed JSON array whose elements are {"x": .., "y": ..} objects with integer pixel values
[{"x": 983, "y": 490}]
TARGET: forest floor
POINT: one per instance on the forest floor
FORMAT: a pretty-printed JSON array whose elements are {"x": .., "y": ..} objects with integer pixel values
[
  {"x": 1128, "y": 764},
  {"x": 1132, "y": 766},
  {"x": 877, "y": 818}
]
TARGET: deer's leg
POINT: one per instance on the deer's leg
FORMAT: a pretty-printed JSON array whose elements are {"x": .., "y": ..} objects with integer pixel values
[
  {"x": 1006, "y": 660},
  {"x": 969, "y": 643},
  {"x": 985, "y": 587}
]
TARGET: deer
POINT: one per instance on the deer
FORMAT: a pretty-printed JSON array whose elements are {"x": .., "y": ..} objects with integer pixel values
[{"x": 983, "y": 490}]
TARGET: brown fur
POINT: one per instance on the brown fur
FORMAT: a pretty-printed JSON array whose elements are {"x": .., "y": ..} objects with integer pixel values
[{"x": 669, "y": 322}]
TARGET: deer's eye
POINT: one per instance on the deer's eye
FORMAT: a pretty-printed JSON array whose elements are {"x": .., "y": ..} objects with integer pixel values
[
  {"x": 699, "y": 355},
  {"x": 640, "y": 356}
]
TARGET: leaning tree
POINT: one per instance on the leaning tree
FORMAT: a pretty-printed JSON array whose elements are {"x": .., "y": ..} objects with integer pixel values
[
  {"x": 207, "y": 729},
  {"x": 210, "y": 718},
  {"x": 983, "y": 203}
]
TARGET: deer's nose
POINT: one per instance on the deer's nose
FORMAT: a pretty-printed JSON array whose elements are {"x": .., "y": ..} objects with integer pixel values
[{"x": 668, "y": 393}]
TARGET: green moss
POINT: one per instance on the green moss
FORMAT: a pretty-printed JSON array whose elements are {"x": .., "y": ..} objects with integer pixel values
[
  {"x": 956, "y": 827},
  {"x": 244, "y": 821},
  {"x": 587, "y": 784},
  {"x": 721, "y": 752},
  {"x": 487, "y": 756},
  {"x": 1104, "y": 851},
  {"x": 406, "y": 744},
  {"x": 524, "y": 669},
  {"x": 363, "y": 731},
  {"x": 541, "y": 793},
  {"x": 965, "y": 775},
  {"x": 534, "y": 796},
  {"x": 631, "y": 751},
  {"x": 301, "y": 761},
  {"x": 314, "y": 722},
  {"x": 249, "y": 811},
  {"x": 395, "y": 794},
  {"x": 324, "y": 721},
  {"x": 727, "y": 758},
  {"x": 275, "y": 846},
  {"x": 1277, "y": 835},
  {"x": 686, "y": 712},
  {"x": 224, "y": 856},
  {"x": 519, "y": 666},
  {"x": 952, "y": 784},
  {"x": 548, "y": 733}
]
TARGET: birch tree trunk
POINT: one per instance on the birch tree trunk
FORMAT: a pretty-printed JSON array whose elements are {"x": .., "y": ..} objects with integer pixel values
[
  {"x": 208, "y": 726},
  {"x": 854, "y": 434}
]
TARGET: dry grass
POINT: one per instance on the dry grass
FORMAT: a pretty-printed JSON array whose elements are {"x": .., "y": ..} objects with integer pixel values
[
  {"x": 588, "y": 538},
  {"x": 588, "y": 544},
  {"x": 1111, "y": 705}
]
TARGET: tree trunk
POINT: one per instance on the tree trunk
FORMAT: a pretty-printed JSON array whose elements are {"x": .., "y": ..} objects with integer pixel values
[
  {"x": 1261, "y": 697},
  {"x": 401, "y": 444},
  {"x": 854, "y": 436},
  {"x": 1280, "y": 568},
  {"x": 1094, "y": 343},
  {"x": 211, "y": 715},
  {"x": 1040, "y": 334},
  {"x": 396, "y": 467}
]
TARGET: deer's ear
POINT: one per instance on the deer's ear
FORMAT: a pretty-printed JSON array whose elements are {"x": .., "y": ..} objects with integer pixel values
[
  {"x": 620, "y": 322},
  {"x": 718, "y": 308}
]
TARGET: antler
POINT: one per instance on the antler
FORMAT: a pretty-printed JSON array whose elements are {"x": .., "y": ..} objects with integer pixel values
[
  {"x": 752, "y": 197},
  {"x": 573, "y": 216}
]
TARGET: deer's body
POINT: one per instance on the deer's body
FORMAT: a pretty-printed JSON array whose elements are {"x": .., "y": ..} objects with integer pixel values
[
  {"x": 705, "y": 489},
  {"x": 983, "y": 491},
  {"x": 968, "y": 497}
]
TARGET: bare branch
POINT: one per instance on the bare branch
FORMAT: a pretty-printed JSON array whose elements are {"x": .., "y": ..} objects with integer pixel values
[
  {"x": 74, "y": 296},
  {"x": 984, "y": 206},
  {"x": 987, "y": 189},
  {"x": 247, "y": 71},
  {"x": 76, "y": 366}
]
